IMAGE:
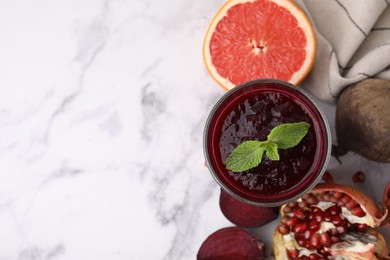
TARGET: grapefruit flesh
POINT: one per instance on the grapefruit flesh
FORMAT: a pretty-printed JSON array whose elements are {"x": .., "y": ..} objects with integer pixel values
[{"x": 259, "y": 39}]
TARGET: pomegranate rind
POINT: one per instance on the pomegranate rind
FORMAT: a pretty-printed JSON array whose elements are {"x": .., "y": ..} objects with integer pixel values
[
  {"x": 279, "y": 247},
  {"x": 304, "y": 24},
  {"x": 374, "y": 218}
]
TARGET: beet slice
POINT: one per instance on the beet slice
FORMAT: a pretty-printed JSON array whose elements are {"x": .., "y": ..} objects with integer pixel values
[{"x": 231, "y": 243}]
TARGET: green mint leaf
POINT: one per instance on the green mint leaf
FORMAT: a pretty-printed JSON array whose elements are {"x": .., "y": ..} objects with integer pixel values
[
  {"x": 249, "y": 154},
  {"x": 245, "y": 156},
  {"x": 271, "y": 150},
  {"x": 288, "y": 135}
]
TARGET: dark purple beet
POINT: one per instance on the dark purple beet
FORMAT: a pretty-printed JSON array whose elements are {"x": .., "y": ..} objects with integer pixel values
[
  {"x": 231, "y": 243},
  {"x": 245, "y": 215}
]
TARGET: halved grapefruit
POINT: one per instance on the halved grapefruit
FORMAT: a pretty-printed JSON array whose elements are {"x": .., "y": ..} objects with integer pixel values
[{"x": 252, "y": 39}]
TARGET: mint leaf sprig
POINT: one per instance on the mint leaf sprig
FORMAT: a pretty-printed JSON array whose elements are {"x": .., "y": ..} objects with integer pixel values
[{"x": 249, "y": 154}]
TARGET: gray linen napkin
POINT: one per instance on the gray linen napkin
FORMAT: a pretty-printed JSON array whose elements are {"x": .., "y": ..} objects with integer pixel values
[{"x": 353, "y": 43}]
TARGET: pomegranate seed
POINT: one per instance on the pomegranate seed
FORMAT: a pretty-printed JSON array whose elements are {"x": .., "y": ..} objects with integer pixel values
[
  {"x": 284, "y": 219},
  {"x": 292, "y": 253},
  {"x": 362, "y": 227},
  {"x": 336, "y": 219},
  {"x": 314, "y": 256},
  {"x": 314, "y": 225},
  {"x": 333, "y": 231},
  {"x": 334, "y": 210},
  {"x": 341, "y": 229},
  {"x": 326, "y": 196},
  {"x": 334, "y": 239},
  {"x": 358, "y": 211},
  {"x": 283, "y": 229},
  {"x": 323, "y": 252},
  {"x": 325, "y": 239},
  {"x": 307, "y": 234},
  {"x": 302, "y": 204},
  {"x": 312, "y": 200},
  {"x": 338, "y": 195},
  {"x": 286, "y": 209},
  {"x": 315, "y": 241},
  {"x": 358, "y": 177},
  {"x": 334, "y": 200},
  {"x": 327, "y": 177},
  {"x": 351, "y": 204},
  {"x": 316, "y": 209},
  {"x": 301, "y": 241},
  {"x": 346, "y": 198},
  {"x": 318, "y": 216},
  {"x": 293, "y": 204},
  {"x": 300, "y": 228},
  {"x": 341, "y": 203},
  {"x": 292, "y": 221},
  {"x": 327, "y": 216},
  {"x": 299, "y": 213}
]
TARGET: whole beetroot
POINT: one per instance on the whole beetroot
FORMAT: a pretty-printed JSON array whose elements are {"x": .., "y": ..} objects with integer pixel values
[
  {"x": 363, "y": 120},
  {"x": 231, "y": 243},
  {"x": 245, "y": 215}
]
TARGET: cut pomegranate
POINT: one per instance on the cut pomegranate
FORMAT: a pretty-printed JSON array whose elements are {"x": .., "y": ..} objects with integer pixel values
[
  {"x": 331, "y": 222},
  {"x": 231, "y": 243},
  {"x": 243, "y": 214}
]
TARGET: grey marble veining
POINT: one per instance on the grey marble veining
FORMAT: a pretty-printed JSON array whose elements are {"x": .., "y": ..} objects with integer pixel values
[{"x": 102, "y": 110}]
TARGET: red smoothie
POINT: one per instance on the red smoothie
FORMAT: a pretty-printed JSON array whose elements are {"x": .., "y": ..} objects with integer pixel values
[{"x": 249, "y": 112}]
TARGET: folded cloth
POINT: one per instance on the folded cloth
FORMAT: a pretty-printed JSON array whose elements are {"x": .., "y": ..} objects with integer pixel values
[{"x": 353, "y": 43}]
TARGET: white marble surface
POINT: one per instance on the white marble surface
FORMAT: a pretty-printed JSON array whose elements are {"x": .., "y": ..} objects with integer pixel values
[{"x": 102, "y": 109}]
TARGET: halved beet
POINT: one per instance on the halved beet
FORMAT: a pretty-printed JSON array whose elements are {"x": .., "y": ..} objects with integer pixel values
[
  {"x": 245, "y": 215},
  {"x": 231, "y": 243}
]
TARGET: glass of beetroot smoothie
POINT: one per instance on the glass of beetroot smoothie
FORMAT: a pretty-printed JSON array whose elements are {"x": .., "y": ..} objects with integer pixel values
[{"x": 249, "y": 112}]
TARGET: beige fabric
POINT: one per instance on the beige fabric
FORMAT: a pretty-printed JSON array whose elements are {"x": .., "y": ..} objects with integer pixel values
[{"x": 353, "y": 43}]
